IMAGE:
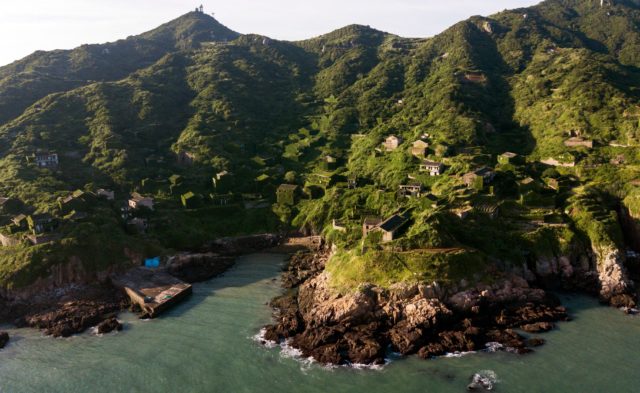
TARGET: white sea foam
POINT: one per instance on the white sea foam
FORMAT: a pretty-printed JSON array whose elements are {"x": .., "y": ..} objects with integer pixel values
[
  {"x": 289, "y": 352},
  {"x": 260, "y": 339},
  {"x": 94, "y": 332},
  {"x": 485, "y": 379},
  {"x": 375, "y": 367},
  {"x": 493, "y": 347},
  {"x": 458, "y": 354}
]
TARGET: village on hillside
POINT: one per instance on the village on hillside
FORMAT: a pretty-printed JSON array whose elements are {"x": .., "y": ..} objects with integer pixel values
[{"x": 474, "y": 192}]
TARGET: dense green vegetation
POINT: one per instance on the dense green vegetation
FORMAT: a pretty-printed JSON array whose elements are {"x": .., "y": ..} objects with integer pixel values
[{"x": 210, "y": 123}]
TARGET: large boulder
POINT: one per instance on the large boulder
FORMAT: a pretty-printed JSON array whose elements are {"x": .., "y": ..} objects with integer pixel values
[{"x": 109, "y": 325}]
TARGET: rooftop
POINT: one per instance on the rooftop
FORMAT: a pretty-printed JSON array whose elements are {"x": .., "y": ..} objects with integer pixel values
[
  {"x": 393, "y": 223},
  {"x": 483, "y": 171},
  {"x": 420, "y": 143},
  {"x": 527, "y": 181},
  {"x": 372, "y": 220},
  {"x": 287, "y": 187},
  {"x": 18, "y": 218}
]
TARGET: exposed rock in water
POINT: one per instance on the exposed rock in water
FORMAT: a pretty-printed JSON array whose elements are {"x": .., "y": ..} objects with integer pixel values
[
  {"x": 358, "y": 327},
  {"x": 109, "y": 326},
  {"x": 4, "y": 339},
  {"x": 483, "y": 381},
  {"x": 535, "y": 342}
]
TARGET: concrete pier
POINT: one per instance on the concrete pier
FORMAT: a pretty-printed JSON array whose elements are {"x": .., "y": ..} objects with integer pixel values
[{"x": 153, "y": 290}]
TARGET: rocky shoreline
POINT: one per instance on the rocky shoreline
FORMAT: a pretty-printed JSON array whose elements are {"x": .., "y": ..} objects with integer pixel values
[
  {"x": 75, "y": 307},
  {"x": 427, "y": 320}
]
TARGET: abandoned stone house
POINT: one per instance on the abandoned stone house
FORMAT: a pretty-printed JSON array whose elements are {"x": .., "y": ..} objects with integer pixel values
[
  {"x": 42, "y": 239},
  {"x": 410, "y": 190},
  {"x": 41, "y": 223},
  {"x": 138, "y": 201},
  {"x": 75, "y": 201},
  {"x": 190, "y": 200},
  {"x": 221, "y": 199},
  {"x": 507, "y": 158},
  {"x": 419, "y": 148},
  {"x": 392, "y": 142},
  {"x": 138, "y": 224},
  {"x": 186, "y": 158},
  {"x": 577, "y": 141},
  {"x": 287, "y": 194},
  {"x": 434, "y": 168},
  {"x": 478, "y": 178},
  {"x": 329, "y": 163},
  {"x": 46, "y": 160},
  {"x": 369, "y": 224},
  {"x": 527, "y": 184},
  {"x": 222, "y": 181},
  {"x": 552, "y": 183},
  {"x": 108, "y": 194},
  {"x": 391, "y": 226},
  {"x": 322, "y": 178}
]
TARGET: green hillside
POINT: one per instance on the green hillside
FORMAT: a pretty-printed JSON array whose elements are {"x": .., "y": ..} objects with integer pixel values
[{"x": 210, "y": 123}]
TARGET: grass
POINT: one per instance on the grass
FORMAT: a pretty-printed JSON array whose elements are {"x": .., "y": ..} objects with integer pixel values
[{"x": 348, "y": 270}]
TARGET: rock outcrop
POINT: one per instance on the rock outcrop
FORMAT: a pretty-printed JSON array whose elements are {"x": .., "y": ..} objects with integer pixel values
[
  {"x": 199, "y": 267},
  {"x": 410, "y": 319},
  {"x": 615, "y": 286},
  {"x": 600, "y": 271},
  {"x": 68, "y": 313},
  {"x": 109, "y": 325}
]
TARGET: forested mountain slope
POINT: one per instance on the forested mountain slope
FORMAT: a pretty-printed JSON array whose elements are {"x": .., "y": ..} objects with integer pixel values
[{"x": 210, "y": 123}]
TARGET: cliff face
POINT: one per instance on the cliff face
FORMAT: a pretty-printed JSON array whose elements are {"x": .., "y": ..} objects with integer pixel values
[
  {"x": 600, "y": 271},
  {"x": 615, "y": 285},
  {"x": 63, "y": 276}
]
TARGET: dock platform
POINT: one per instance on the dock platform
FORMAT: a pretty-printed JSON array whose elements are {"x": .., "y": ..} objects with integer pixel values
[{"x": 153, "y": 290}]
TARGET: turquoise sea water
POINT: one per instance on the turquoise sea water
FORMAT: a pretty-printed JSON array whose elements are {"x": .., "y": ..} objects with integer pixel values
[{"x": 206, "y": 345}]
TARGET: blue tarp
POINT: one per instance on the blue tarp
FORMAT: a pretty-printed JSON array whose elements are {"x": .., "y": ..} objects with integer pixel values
[{"x": 152, "y": 262}]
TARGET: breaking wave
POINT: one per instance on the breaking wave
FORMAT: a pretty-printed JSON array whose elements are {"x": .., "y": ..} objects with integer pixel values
[{"x": 289, "y": 352}]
